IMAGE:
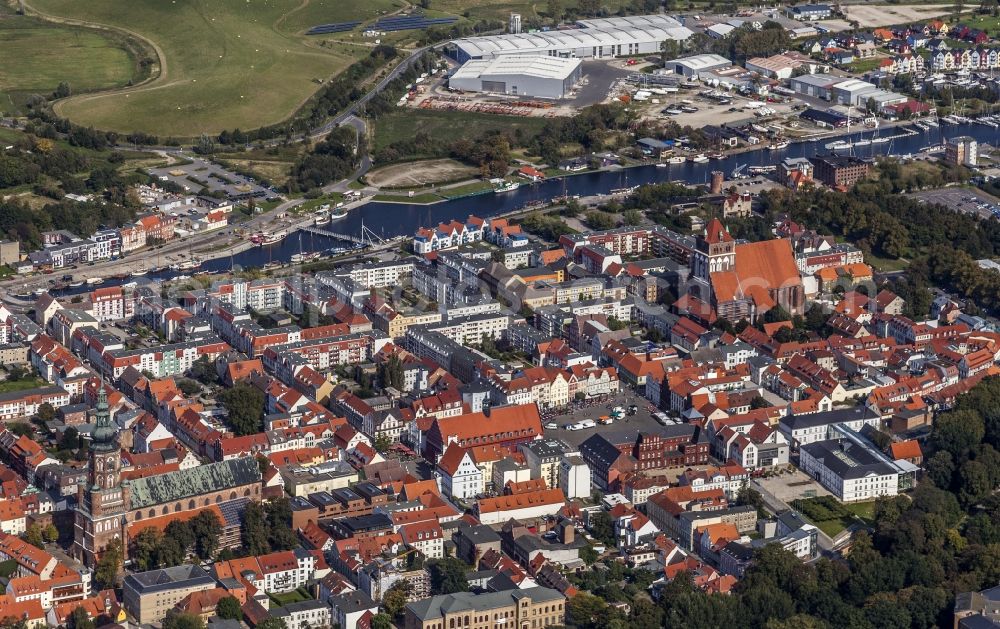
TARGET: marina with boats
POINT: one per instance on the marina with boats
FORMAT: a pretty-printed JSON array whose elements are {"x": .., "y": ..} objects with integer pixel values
[{"x": 395, "y": 220}]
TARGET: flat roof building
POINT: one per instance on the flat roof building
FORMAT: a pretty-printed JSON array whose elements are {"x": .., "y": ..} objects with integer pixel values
[
  {"x": 850, "y": 469},
  {"x": 961, "y": 151},
  {"x": 148, "y": 596},
  {"x": 598, "y": 38},
  {"x": 817, "y": 85},
  {"x": 691, "y": 66},
  {"x": 519, "y": 75}
]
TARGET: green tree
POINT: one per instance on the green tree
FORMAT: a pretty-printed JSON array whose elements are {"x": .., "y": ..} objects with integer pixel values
[
  {"x": 229, "y": 608},
  {"x": 181, "y": 533},
  {"x": 270, "y": 623},
  {"x": 598, "y": 220},
  {"x": 279, "y": 523},
  {"x": 382, "y": 621},
  {"x": 188, "y": 387},
  {"x": 254, "y": 530},
  {"x": 50, "y": 533},
  {"x": 46, "y": 412},
  {"x": 974, "y": 483},
  {"x": 170, "y": 552},
  {"x": 382, "y": 444},
  {"x": 554, "y": 8},
  {"x": 395, "y": 598},
  {"x": 144, "y": 548},
  {"x": 70, "y": 440},
  {"x": 108, "y": 566},
  {"x": 79, "y": 619},
  {"x": 632, "y": 217},
  {"x": 181, "y": 620},
  {"x": 206, "y": 529},
  {"x": 602, "y": 528},
  {"x": 33, "y": 535},
  {"x": 448, "y": 576},
  {"x": 245, "y": 406},
  {"x": 204, "y": 371},
  {"x": 750, "y": 496}
]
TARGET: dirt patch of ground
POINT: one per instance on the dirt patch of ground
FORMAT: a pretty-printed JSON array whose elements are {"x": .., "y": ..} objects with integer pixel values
[
  {"x": 275, "y": 172},
  {"x": 869, "y": 16},
  {"x": 420, "y": 173}
]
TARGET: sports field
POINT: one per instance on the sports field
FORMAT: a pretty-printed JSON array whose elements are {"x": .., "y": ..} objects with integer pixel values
[
  {"x": 225, "y": 64},
  {"x": 40, "y": 55}
]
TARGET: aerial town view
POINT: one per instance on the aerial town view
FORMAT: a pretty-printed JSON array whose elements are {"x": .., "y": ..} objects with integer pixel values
[{"x": 470, "y": 314}]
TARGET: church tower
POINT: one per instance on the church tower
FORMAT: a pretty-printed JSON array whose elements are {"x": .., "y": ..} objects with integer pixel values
[
  {"x": 103, "y": 503},
  {"x": 715, "y": 252}
]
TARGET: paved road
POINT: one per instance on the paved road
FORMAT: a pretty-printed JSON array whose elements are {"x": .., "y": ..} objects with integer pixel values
[
  {"x": 173, "y": 251},
  {"x": 359, "y": 105}
]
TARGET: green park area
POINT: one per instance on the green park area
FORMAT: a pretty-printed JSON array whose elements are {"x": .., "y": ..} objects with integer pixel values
[{"x": 832, "y": 516}]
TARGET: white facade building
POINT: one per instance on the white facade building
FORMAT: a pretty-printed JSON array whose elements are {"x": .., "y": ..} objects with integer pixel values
[
  {"x": 850, "y": 471},
  {"x": 574, "y": 477},
  {"x": 516, "y": 75},
  {"x": 598, "y": 38}
]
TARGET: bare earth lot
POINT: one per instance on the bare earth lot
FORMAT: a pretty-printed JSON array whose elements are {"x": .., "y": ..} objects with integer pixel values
[
  {"x": 869, "y": 16},
  {"x": 420, "y": 173}
]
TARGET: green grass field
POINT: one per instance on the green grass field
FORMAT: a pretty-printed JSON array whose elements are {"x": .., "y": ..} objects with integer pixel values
[
  {"x": 423, "y": 198},
  {"x": 7, "y": 386},
  {"x": 401, "y": 125},
  {"x": 39, "y": 55},
  {"x": 226, "y": 63},
  {"x": 295, "y": 596}
]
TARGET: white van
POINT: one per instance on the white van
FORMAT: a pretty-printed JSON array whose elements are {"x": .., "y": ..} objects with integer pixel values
[{"x": 587, "y": 423}]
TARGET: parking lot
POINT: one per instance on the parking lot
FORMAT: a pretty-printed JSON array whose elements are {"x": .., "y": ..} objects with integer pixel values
[
  {"x": 201, "y": 173},
  {"x": 642, "y": 420},
  {"x": 967, "y": 200}
]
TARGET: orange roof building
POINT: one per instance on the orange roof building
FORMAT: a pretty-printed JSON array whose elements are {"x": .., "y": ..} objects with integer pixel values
[
  {"x": 519, "y": 506},
  {"x": 745, "y": 280}
]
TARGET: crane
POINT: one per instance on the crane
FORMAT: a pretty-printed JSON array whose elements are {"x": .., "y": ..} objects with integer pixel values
[{"x": 738, "y": 172}]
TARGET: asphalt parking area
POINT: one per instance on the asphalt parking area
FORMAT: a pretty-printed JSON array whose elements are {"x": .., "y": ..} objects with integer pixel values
[
  {"x": 965, "y": 200},
  {"x": 642, "y": 420}
]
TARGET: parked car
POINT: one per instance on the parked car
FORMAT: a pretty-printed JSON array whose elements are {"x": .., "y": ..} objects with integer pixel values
[
  {"x": 572, "y": 426},
  {"x": 551, "y": 426}
]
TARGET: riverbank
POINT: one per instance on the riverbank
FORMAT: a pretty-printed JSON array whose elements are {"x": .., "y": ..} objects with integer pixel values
[{"x": 473, "y": 187}]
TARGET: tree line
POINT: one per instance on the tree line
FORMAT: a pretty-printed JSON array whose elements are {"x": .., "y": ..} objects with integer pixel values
[{"x": 199, "y": 536}]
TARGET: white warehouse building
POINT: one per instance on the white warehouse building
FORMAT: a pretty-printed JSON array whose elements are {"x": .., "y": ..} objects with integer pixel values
[
  {"x": 598, "y": 38},
  {"x": 517, "y": 75},
  {"x": 695, "y": 64}
]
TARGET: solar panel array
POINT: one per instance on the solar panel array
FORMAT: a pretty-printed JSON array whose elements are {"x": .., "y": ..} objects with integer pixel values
[
  {"x": 325, "y": 29},
  {"x": 409, "y": 22}
]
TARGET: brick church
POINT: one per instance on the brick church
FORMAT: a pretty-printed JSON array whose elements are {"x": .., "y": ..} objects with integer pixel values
[
  {"x": 109, "y": 509},
  {"x": 743, "y": 280}
]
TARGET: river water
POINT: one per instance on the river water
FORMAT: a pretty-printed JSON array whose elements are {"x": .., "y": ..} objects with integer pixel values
[{"x": 394, "y": 219}]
